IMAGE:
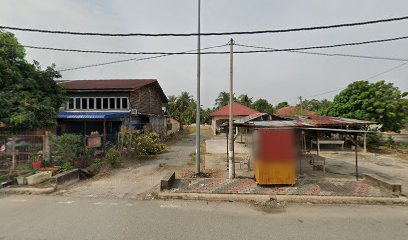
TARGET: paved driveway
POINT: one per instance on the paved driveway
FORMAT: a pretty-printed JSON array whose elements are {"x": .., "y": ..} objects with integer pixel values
[{"x": 388, "y": 166}]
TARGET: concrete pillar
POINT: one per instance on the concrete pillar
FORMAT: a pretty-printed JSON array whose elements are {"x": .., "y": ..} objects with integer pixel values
[{"x": 365, "y": 142}]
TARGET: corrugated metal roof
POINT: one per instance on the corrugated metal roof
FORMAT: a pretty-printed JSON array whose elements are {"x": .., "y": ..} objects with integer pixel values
[
  {"x": 250, "y": 117},
  {"x": 92, "y": 115},
  {"x": 238, "y": 110}
]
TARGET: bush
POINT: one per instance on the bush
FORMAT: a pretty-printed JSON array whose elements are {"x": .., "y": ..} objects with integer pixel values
[
  {"x": 66, "y": 147},
  {"x": 66, "y": 166},
  {"x": 96, "y": 166},
  {"x": 112, "y": 156},
  {"x": 142, "y": 145},
  {"x": 375, "y": 139}
]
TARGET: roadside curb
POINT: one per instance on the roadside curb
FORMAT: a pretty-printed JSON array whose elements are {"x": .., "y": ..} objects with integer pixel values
[
  {"x": 28, "y": 190},
  {"x": 285, "y": 198}
]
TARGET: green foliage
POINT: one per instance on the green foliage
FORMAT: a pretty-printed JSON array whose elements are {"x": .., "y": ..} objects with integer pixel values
[
  {"x": 66, "y": 167},
  {"x": 96, "y": 166},
  {"x": 319, "y": 106},
  {"x": 142, "y": 145},
  {"x": 223, "y": 99},
  {"x": 183, "y": 108},
  {"x": 281, "y": 105},
  {"x": 112, "y": 156},
  {"x": 66, "y": 147},
  {"x": 390, "y": 142},
  {"x": 245, "y": 100},
  {"x": 375, "y": 139},
  {"x": 263, "y": 106},
  {"x": 380, "y": 102},
  {"x": 29, "y": 96}
]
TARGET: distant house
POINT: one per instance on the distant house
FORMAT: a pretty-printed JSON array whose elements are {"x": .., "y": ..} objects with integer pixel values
[
  {"x": 104, "y": 106},
  {"x": 222, "y": 115},
  {"x": 293, "y": 110}
]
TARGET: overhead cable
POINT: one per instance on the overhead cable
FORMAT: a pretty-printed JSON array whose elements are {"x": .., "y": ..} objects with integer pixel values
[{"x": 341, "y": 25}]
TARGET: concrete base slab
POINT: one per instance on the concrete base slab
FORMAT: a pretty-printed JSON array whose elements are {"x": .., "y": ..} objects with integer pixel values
[
  {"x": 38, "y": 178},
  {"x": 284, "y": 198}
]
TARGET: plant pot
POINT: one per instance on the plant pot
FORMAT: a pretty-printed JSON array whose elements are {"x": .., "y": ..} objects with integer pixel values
[{"x": 36, "y": 165}]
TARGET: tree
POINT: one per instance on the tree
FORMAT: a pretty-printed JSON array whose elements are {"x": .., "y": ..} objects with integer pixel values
[
  {"x": 245, "y": 100},
  {"x": 380, "y": 102},
  {"x": 223, "y": 99},
  {"x": 262, "y": 105},
  {"x": 321, "y": 107},
  {"x": 281, "y": 105},
  {"x": 29, "y": 96}
]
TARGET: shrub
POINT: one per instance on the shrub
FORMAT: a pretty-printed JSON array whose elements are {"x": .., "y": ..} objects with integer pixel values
[
  {"x": 96, "y": 166},
  {"x": 375, "y": 139},
  {"x": 113, "y": 157},
  {"x": 66, "y": 147},
  {"x": 66, "y": 166},
  {"x": 142, "y": 145}
]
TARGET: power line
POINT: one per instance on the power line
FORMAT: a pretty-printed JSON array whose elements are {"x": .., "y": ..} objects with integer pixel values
[
  {"x": 324, "y": 46},
  {"x": 206, "y": 34},
  {"x": 366, "y": 79},
  {"x": 264, "y": 50},
  {"x": 134, "y": 59},
  {"x": 329, "y": 54}
]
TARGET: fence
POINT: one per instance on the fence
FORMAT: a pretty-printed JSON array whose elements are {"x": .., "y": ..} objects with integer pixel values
[{"x": 16, "y": 150}]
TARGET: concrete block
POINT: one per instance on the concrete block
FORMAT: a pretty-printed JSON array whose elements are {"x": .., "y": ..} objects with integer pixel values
[
  {"x": 38, "y": 178},
  {"x": 387, "y": 184},
  {"x": 167, "y": 181},
  {"x": 67, "y": 177}
]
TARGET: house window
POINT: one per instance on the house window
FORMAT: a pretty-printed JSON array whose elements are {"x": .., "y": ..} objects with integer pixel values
[
  {"x": 71, "y": 103},
  {"x": 77, "y": 103},
  {"x": 124, "y": 103},
  {"x": 105, "y": 103},
  {"x": 98, "y": 103},
  {"x": 118, "y": 106},
  {"x": 91, "y": 103},
  {"x": 112, "y": 103},
  {"x": 84, "y": 103}
]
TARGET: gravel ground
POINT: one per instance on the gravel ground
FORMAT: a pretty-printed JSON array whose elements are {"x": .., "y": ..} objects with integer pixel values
[{"x": 136, "y": 179}]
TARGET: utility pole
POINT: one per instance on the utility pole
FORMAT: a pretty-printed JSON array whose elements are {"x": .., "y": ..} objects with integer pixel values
[
  {"x": 301, "y": 105},
  {"x": 231, "y": 168},
  {"x": 198, "y": 153}
]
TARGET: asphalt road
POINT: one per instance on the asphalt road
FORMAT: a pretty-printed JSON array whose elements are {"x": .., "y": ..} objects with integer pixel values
[{"x": 55, "y": 217}]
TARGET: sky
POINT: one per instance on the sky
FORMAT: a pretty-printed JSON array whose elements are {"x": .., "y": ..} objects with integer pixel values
[{"x": 277, "y": 77}]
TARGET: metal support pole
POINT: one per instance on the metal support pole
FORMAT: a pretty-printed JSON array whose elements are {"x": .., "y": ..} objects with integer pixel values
[
  {"x": 198, "y": 151},
  {"x": 231, "y": 169},
  {"x": 355, "y": 149}
]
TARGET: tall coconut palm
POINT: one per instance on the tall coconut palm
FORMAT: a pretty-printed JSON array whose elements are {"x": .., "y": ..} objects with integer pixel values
[
  {"x": 245, "y": 100},
  {"x": 223, "y": 99}
]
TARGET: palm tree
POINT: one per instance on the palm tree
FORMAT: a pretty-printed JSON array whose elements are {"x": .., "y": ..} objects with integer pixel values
[
  {"x": 223, "y": 99},
  {"x": 245, "y": 100}
]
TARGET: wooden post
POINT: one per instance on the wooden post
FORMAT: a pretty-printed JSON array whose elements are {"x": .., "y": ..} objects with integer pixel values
[
  {"x": 13, "y": 150},
  {"x": 365, "y": 142},
  {"x": 318, "y": 144},
  {"x": 104, "y": 133},
  {"x": 355, "y": 150}
]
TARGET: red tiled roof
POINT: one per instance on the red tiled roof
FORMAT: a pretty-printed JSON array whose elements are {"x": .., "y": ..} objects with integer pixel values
[
  {"x": 238, "y": 110},
  {"x": 292, "y": 110},
  {"x": 105, "y": 84}
]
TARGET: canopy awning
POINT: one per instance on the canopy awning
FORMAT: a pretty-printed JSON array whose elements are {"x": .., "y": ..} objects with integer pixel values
[{"x": 92, "y": 115}]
